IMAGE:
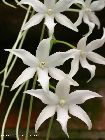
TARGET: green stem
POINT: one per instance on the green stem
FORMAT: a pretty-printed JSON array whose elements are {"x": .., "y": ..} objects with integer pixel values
[
  {"x": 11, "y": 55},
  {"x": 8, "y": 4},
  {"x": 49, "y": 128},
  {"x": 42, "y": 33},
  {"x": 30, "y": 110},
  {"x": 8, "y": 111},
  {"x": 20, "y": 112},
  {"x": 65, "y": 43},
  {"x": 74, "y": 10}
]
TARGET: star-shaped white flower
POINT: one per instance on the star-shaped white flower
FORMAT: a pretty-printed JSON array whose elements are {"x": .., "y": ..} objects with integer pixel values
[
  {"x": 42, "y": 63},
  {"x": 84, "y": 51},
  {"x": 62, "y": 102},
  {"x": 49, "y": 10},
  {"x": 87, "y": 13}
]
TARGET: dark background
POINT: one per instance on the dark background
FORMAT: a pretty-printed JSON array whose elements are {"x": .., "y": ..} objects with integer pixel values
[{"x": 10, "y": 24}]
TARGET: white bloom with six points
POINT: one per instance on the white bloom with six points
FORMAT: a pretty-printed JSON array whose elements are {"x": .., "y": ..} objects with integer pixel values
[
  {"x": 42, "y": 63},
  {"x": 87, "y": 13},
  {"x": 62, "y": 102},
  {"x": 49, "y": 10},
  {"x": 84, "y": 51}
]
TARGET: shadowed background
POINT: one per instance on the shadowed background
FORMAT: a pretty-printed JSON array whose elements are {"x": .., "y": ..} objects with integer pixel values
[{"x": 10, "y": 24}]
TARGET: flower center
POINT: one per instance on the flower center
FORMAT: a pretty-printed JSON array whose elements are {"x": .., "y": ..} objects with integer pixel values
[
  {"x": 82, "y": 53},
  {"x": 42, "y": 65},
  {"x": 50, "y": 12},
  {"x": 62, "y": 102}
]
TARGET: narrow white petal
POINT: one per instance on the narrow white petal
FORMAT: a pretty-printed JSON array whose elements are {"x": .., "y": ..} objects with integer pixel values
[
  {"x": 93, "y": 18},
  {"x": 43, "y": 78},
  {"x": 89, "y": 23},
  {"x": 96, "y": 58},
  {"x": 78, "y": 112},
  {"x": 42, "y": 52},
  {"x": 75, "y": 64},
  {"x": 70, "y": 80},
  {"x": 36, "y": 19},
  {"x": 62, "y": 89},
  {"x": 95, "y": 44},
  {"x": 36, "y": 4},
  {"x": 26, "y": 75},
  {"x": 88, "y": 2},
  {"x": 49, "y": 22},
  {"x": 59, "y": 58},
  {"x": 50, "y": 3},
  {"x": 97, "y": 5},
  {"x": 62, "y": 5},
  {"x": 26, "y": 56},
  {"x": 56, "y": 73},
  {"x": 46, "y": 98},
  {"x": 46, "y": 113},
  {"x": 82, "y": 43},
  {"x": 86, "y": 65},
  {"x": 63, "y": 20},
  {"x": 62, "y": 118},
  {"x": 80, "y": 96},
  {"x": 79, "y": 20}
]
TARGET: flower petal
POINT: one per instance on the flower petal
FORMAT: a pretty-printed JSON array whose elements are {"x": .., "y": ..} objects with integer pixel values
[
  {"x": 26, "y": 56},
  {"x": 78, "y": 112},
  {"x": 75, "y": 64},
  {"x": 43, "y": 78},
  {"x": 80, "y": 96},
  {"x": 47, "y": 98},
  {"x": 63, "y": 20},
  {"x": 46, "y": 113},
  {"x": 86, "y": 65},
  {"x": 93, "y": 18},
  {"x": 62, "y": 89},
  {"x": 96, "y": 58},
  {"x": 79, "y": 20},
  {"x": 56, "y": 73},
  {"x": 49, "y": 22},
  {"x": 50, "y": 3},
  {"x": 36, "y": 19},
  {"x": 89, "y": 23},
  {"x": 82, "y": 43},
  {"x": 59, "y": 58},
  {"x": 36, "y": 4},
  {"x": 42, "y": 52},
  {"x": 88, "y": 2},
  {"x": 97, "y": 5},
  {"x": 62, "y": 118},
  {"x": 62, "y": 5},
  {"x": 95, "y": 44},
  {"x": 27, "y": 74}
]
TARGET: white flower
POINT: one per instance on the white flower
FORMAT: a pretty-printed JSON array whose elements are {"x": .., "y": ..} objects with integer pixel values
[
  {"x": 49, "y": 10},
  {"x": 87, "y": 13},
  {"x": 42, "y": 63},
  {"x": 84, "y": 51},
  {"x": 62, "y": 102}
]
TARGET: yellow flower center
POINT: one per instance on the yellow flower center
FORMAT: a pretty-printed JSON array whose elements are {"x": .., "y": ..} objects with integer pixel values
[
  {"x": 42, "y": 65},
  {"x": 62, "y": 102},
  {"x": 83, "y": 53},
  {"x": 50, "y": 12}
]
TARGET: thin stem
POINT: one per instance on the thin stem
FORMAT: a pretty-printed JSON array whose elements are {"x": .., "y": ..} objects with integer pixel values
[
  {"x": 30, "y": 109},
  {"x": 8, "y": 4},
  {"x": 42, "y": 33},
  {"x": 17, "y": 2},
  {"x": 63, "y": 42},
  {"x": 49, "y": 128},
  {"x": 11, "y": 55},
  {"x": 8, "y": 111},
  {"x": 14, "y": 61},
  {"x": 20, "y": 111},
  {"x": 74, "y": 10}
]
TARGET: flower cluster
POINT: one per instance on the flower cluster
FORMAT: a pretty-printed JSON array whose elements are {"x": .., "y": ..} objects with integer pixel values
[{"x": 44, "y": 65}]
